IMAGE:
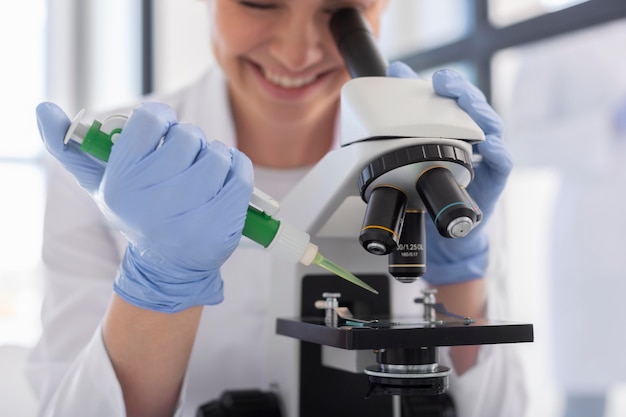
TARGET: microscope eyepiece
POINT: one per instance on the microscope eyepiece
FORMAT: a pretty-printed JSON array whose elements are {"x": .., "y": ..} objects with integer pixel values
[{"x": 357, "y": 44}]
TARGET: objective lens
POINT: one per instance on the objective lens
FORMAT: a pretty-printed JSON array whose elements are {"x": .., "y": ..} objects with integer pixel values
[
  {"x": 446, "y": 202},
  {"x": 408, "y": 261},
  {"x": 383, "y": 220}
]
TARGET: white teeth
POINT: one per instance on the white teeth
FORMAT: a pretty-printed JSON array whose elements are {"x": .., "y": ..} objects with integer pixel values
[{"x": 288, "y": 82}]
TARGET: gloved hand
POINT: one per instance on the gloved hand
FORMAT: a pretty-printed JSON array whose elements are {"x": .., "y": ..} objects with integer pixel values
[
  {"x": 181, "y": 203},
  {"x": 450, "y": 261},
  {"x": 53, "y": 123}
]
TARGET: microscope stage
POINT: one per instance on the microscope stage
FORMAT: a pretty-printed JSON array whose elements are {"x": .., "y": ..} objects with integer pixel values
[{"x": 404, "y": 333}]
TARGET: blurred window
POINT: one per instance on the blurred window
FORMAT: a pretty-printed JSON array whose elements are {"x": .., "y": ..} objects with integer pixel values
[
  {"x": 500, "y": 38},
  {"x": 93, "y": 61},
  {"x": 507, "y": 12},
  {"x": 412, "y": 26},
  {"x": 115, "y": 56},
  {"x": 21, "y": 179},
  {"x": 562, "y": 100}
]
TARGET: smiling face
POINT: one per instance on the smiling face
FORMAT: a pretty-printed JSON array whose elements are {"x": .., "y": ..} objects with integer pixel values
[{"x": 279, "y": 55}]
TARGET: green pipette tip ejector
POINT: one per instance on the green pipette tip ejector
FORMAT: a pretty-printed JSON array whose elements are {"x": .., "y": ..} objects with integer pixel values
[
  {"x": 279, "y": 237},
  {"x": 339, "y": 271}
]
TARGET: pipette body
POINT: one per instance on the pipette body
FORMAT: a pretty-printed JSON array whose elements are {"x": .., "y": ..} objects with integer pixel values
[{"x": 280, "y": 238}]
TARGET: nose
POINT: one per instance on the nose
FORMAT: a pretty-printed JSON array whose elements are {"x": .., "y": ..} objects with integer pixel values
[{"x": 297, "y": 42}]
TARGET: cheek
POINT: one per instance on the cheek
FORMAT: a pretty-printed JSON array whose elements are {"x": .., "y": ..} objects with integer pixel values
[
  {"x": 236, "y": 42},
  {"x": 226, "y": 39}
]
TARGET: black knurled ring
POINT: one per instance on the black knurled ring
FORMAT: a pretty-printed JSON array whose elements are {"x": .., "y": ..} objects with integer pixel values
[{"x": 411, "y": 155}]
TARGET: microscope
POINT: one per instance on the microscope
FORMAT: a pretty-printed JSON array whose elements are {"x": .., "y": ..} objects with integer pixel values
[{"x": 405, "y": 158}]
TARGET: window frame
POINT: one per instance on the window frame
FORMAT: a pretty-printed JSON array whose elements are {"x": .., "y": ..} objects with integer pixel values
[{"x": 483, "y": 40}]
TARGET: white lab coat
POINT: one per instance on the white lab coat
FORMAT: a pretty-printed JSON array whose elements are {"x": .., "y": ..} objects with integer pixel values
[{"x": 69, "y": 367}]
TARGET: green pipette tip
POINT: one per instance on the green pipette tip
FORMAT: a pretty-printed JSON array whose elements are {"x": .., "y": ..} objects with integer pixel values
[{"x": 339, "y": 271}]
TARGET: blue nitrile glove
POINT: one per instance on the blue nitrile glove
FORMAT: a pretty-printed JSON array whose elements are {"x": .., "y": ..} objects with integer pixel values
[
  {"x": 53, "y": 123},
  {"x": 180, "y": 201},
  {"x": 182, "y": 204},
  {"x": 450, "y": 261}
]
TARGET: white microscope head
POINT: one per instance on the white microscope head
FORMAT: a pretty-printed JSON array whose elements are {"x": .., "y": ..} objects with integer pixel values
[{"x": 386, "y": 107}]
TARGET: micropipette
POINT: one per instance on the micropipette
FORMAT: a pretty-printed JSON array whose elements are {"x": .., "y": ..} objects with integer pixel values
[{"x": 278, "y": 237}]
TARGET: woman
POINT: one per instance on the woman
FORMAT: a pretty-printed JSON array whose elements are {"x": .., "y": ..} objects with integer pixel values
[{"x": 150, "y": 348}]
